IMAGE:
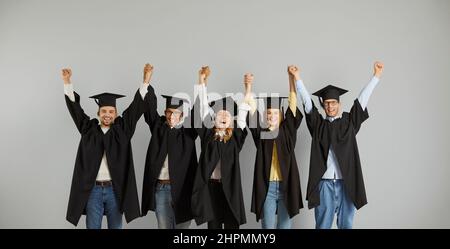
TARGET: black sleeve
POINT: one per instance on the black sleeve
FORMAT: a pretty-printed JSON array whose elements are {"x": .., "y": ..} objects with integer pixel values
[
  {"x": 82, "y": 121},
  {"x": 133, "y": 113},
  {"x": 240, "y": 135},
  {"x": 254, "y": 125},
  {"x": 293, "y": 123},
  {"x": 313, "y": 119},
  {"x": 151, "y": 115},
  {"x": 358, "y": 115}
]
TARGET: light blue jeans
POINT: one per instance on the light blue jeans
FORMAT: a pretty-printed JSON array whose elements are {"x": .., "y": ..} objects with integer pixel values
[
  {"x": 164, "y": 209},
  {"x": 274, "y": 204},
  {"x": 334, "y": 199},
  {"x": 103, "y": 201}
]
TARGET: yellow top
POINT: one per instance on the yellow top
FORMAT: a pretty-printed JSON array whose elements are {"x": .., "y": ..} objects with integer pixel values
[{"x": 275, "y": 172}]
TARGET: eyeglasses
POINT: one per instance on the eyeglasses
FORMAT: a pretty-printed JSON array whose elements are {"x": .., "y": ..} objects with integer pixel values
[
  {"x": 169, "y": 113},
  {"x": 330, "y": 103}
]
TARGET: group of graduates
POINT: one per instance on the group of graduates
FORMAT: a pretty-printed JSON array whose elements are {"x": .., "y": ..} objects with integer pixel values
[{"x": 178, "y": 187}]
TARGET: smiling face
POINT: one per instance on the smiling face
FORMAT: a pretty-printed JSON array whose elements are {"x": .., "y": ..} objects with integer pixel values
[
  {"x": 273, "y": 117},
  {"x": 173, "y": 116},
  {"x": 107, "y": 114},
  {"x": 223, "y": 120},
  {"x": 331, "y": 107}
]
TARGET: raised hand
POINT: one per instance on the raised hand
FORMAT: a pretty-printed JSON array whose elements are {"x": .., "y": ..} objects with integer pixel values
[
  {"x": 294, "y": 72},
  {"x": 378, "y": 69},
  {"x": 248, "y": 81},
  {"x": 66, "y": 73},
  {"x": 203, "y": 75},
  {"x": 148, "y": 71}
]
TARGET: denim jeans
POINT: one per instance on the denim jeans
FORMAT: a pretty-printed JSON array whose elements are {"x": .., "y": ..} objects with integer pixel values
[
  {"x": 334, "y": 199},
  {"x": 164, "y": 209},
  {"x": 102, "y": 201},
  {"x": 273, "y": 205}
]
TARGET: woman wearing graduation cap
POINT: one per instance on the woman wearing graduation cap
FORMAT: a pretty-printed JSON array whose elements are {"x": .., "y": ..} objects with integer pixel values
[
  {"x": 170, "y": 164},
  {"x": 103, "y": 181},
  {"x": 276, "y": 196},
  {"x": 217, "y": 194},
  {"x": 335, "y": 183}
]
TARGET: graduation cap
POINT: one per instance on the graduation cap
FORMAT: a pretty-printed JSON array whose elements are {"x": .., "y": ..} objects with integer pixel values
[
  {"x": 273, "y": 102},
  {"x": 330, "y": 92},
  {"x": 106, "y": 99},
  {"x": 226, "y": 104},
  {"x": 174, "y": 102}
]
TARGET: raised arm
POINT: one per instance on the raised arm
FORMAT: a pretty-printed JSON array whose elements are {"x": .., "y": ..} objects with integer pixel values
[
  {"x": 245, "y": 107},
  {"x": 249, "y": 98},
  {"x": 148, "y": 72},
  {"x": 201, "y": 108},
  {"x": 151, "y": 115},
  {"x": 292, "y": 99},
  {"x": 294, "y": 72},
  {"x": 253, "y": 120},
  {"x": 66, "y": 74},
  {"x": 137, "y": 107},
  {"x": 73, "y": 102},
  {"x": 293, "y": 117},
  {"x": 201, "y": 93},
  {"x": 368, "y": 89}
]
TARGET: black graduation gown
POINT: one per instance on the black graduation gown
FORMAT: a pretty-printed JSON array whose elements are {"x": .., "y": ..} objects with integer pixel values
[
  {"x": 285, "y": 144},
  {"x": 341, "y": 134},
  {"x": 179, "y": 144},
  {"x": 117, "y": 145},
  {"x": 228, "y": 154}
]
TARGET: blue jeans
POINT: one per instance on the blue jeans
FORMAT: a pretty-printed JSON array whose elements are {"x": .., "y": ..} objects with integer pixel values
[
  {"x": 164, "y": 209},
  {"x": 103, "y": 201},
  {"x": 334, "y": 199},
  {"x": 274, "y": 204}
]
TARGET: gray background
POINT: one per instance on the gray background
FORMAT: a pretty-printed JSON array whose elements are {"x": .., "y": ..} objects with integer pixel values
[{"x": 403, "y": 146}]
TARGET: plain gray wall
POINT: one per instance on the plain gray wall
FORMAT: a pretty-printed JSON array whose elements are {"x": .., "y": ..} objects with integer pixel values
[{"x": 403, "y": 146}]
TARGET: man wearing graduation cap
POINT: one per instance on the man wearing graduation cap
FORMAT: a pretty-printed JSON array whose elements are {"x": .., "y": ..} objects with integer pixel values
[
  {"x": 276, "y": 195},
  {"x": 170, "y": 163},
  {"x": 103, "y": 181},
  {"x": 335, "y": 183}
]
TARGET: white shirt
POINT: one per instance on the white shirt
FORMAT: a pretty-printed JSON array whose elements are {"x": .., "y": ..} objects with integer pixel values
[
  {"x": 103, "y": 172},
  {"x": 164, "y": 173}
]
